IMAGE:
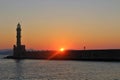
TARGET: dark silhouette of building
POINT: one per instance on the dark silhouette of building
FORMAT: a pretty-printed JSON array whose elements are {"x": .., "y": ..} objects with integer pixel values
[{"x": 19, "y": 50}]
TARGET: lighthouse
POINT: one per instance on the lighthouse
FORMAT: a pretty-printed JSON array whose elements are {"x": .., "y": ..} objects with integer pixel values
[
  {"x": 18, "y": 49},
  {"x": 18, "y": 43}
]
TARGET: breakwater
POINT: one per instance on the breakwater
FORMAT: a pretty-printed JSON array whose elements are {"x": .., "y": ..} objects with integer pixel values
[{"x": 109, "y": 54}]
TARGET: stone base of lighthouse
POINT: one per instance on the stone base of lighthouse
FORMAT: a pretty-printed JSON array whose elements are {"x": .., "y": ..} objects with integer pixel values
[{"x": 19, "y": 51}]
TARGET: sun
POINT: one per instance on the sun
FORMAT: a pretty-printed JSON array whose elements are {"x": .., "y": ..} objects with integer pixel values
[{"x": 62, "y": 49}]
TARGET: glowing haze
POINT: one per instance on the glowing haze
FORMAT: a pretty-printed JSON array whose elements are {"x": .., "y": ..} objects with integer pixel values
[{"x": 52, "y": 24}]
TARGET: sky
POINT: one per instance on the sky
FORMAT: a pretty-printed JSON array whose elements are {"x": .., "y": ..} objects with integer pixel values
[{"x": 53, "y": 24}]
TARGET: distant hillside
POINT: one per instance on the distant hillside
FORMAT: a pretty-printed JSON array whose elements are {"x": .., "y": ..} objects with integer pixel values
[{"x": 6, "y": 52}]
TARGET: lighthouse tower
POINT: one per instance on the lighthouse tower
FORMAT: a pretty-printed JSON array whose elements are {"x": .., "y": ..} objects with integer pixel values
[
  {"x": 18, "y": 43},
  {"x": 18, "y": 49}
]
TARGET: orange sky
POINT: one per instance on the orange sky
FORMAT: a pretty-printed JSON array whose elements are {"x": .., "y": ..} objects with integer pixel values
[{"x": 61, "y": 23}]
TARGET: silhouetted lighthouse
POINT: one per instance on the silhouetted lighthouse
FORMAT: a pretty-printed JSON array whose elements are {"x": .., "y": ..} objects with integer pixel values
[
  {"x": 19, "y": 50},
  {"x": 18, "y": 43}
]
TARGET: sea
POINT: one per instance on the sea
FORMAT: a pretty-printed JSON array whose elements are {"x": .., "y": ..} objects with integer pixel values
[{"x": 58, "y": 70}]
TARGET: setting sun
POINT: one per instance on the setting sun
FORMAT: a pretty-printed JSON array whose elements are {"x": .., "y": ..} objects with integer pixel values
[{"x": 62, "y": 49}]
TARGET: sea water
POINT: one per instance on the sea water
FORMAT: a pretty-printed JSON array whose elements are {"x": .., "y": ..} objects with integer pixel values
[{"x": 58, "y": 70}]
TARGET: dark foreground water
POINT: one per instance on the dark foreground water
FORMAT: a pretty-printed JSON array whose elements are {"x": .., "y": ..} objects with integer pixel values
[{"x": 58, "y": 70}]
